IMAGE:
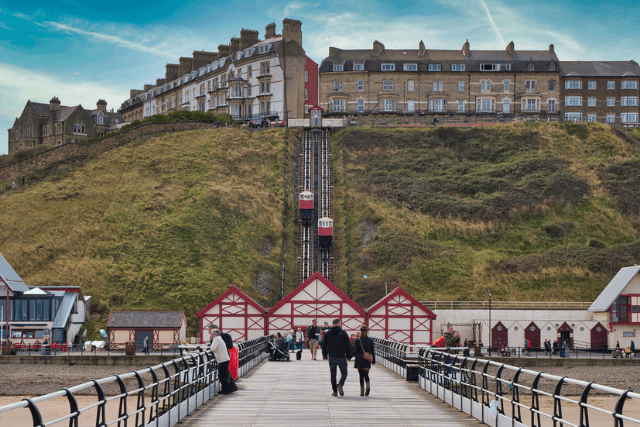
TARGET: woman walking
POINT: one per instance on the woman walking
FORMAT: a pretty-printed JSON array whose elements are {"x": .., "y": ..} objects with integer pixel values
[{"x": 365, "y": 358}]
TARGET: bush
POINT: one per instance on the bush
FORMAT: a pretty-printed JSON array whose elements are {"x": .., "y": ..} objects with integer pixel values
[{"x": 594, "y": 243}]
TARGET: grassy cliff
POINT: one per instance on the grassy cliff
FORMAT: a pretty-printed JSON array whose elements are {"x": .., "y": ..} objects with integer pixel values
[
  {"x": 538, "y": 212},
  {"x": 167, "y": 223}
]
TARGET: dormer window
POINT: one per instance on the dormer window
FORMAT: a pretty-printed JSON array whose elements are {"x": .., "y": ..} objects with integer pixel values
[
  {"x": 435, "y": 67},
  {"x": 531, "y": 67},
  {"x": 338, "y": 67},
  {"x": 358, "y": 67},
  {"x": 552, "y": 66},
  {"x": 388, "y": 67},
  {"x": 410, "y": 67},
  {"x": 457, "y": 67}
]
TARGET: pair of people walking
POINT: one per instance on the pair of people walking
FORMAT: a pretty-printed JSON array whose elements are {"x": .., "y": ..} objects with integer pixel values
[{"x": 336, "y": 346}]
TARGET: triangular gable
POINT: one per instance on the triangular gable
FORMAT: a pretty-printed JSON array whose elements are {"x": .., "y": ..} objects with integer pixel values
[
  {"x": 613, "y": 290},
  {"x": 333, "y": 288},
  {"x": 401, "y": 292},
  {"x": 233, "y": 290}
]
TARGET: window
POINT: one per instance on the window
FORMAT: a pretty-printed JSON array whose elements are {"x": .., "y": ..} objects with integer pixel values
[
  {"x": 552, "y": 105},
  {"x": 59, "y": 128},
  {"x": 552, "y": 66},
  {"x": 591, "y": 102},
  {"x": 489, "y": 67},
  {"x": 485, "y": 85},
  {"x": 460, "y": 85},
  {"x": 575, "y": 101},
  {"x": 629, "y": 334},
  {"x": 552, "y": 85},
  {"x": 457, "y": 67},
  {"x": 338, "y": 68},
  {"x": 250, "y": 71},
  {"x": 573, "y": 84},
  {"x": 388, "y": 104},
  {"x": 591, "y": 117},
  {"x": 573, "y": 117},
  {"x": 611, "y": 102},
  {"x": 592, "y": 85},
  {"x": 410, "y": 67},
  {"x": 629, "y": 84},
  {"x": 506, "y": 85},
  {"x": 437, "y": 104},
  {"x": 358, "y": 67},
  {"x": 306, "y": 94},
  {"x": 530, "y": 105},
  {"x": 530, "y": 86},
  {"x": 460, "y": 106},
  {"x": 485, "y": 105},
  {"x": 629, "y": 117},
  {"x": 506, "y": 105},
  {"x": 531, "y": 67},
  {"x": 306, "y": 77},
  {"x": 360, "y": 85},
  {"x": 337, "y": 86},
  {"x": 360, "y": 105},
  {"x": 611, "y": 84},
  {"x": 435, "y": 67},
  {"x": 410, "y": 86},
  {"x": 44, "y": 130},
  {"x": 388, "y": 67},
  {"x": 629, "y": 101},
  {"x": 339, "y": 104},
  {"x": 620, "y": 309},
  {"x": 437, "y": 86},
  {"x": 611, "y": 118},
  {"x": 411, "y": 106}
]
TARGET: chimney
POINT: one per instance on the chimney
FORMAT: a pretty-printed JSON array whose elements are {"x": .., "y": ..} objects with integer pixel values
[
  {"x": 377, "y": 48},
  {"x": 202, "y": 58},
  {"x": 292, "y": 30},
  {"x": 511, "y": 48},
  {"x": 551, "y": 48},
  {"x": 421, "y": 49},
  {"x": 172, "y": 73},
  {"x": 102, "y": 105},
  {"x": 224, "y": 50},
  {"x": 147, "y": 87},
  {"x": 234, "y": 45},
  {"x": 466, "y": 48},
  {"x": 186, "y": 65},
  {"x": 134, "y": 92},
  {"x": 160, "y": 82},
  {"x": 248, "y": 37},
  {"x": 270, "y": 31},
  {"x": 54, "y": 104}
]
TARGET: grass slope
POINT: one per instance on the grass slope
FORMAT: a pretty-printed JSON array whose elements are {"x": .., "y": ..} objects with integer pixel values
[
  {"x": 168, "y": 223},
  {"x": 531, "y": 211}
]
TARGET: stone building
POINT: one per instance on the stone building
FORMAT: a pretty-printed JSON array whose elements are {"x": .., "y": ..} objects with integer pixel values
[
  {"x": 246, "y": 78},
  {"x": 602, "y": 91},
  {"x": 55, "y": 124},
  {"x": 464, "y": 81}
]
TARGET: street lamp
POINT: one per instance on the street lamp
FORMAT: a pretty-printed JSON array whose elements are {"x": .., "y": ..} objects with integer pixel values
[{"x": 489, "y": 322}]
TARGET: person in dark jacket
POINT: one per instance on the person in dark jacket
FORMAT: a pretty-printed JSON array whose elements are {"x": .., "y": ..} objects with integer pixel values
[
  {"x": 337, "y": 347},
  {"x": 313, "y": 335},
  {"x": 361, "y": 344}
]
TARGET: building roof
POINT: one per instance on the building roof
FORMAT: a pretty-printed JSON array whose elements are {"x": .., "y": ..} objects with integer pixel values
[
  {"x": 400, "y": 292},
  {"x": 613, "y": 290},
  {"x": 599, "y": 68},
  {"x": 64, "y": 310},
  {"x": 233, "y": 290},
  {"x": 41, "y": 109},
  {"x": 8, "y": 275},
  {"x": 145, "y": 319}
]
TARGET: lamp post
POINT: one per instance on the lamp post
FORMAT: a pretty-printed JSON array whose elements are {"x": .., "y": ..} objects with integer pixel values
[{"x": 489, "y": 322}]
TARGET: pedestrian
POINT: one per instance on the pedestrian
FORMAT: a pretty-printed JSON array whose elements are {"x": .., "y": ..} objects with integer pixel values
[
  {"x": 145, "y": 345},
  {"x": 526, "y": 347},
  {"x": 325, "y": 328},
  {"x": 337, "y": 348},
  {"x": 363, "y": 344},
  {"x": 451, "y": 337},
  {"x": 547, "y": 347},
  {"x": 313, "y": 335},
  {"x": 633, "y": 348},
  {"x": 299, "y": 339},
  {"x": 219, "y": 349},
  {"x": 289, "y": 340}
]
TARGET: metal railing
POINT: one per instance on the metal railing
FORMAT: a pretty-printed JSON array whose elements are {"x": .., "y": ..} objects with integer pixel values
[
  {"x": 392, "y": 355},
  {"x": 509, "y": 305},
  {"x": 503, "y": 395},
  {"x": 164, "y": 394}
]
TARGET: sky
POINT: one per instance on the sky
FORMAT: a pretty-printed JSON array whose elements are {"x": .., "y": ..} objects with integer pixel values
[{"x": 84, "y": 51}]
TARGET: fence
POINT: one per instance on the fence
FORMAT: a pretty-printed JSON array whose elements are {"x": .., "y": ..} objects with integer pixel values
[
  {"x": 392, "y": 355},
  {"x": 505, "y": 305},
  {"x": 503, "y": 395},
  {"x": 163, "y": 400}
]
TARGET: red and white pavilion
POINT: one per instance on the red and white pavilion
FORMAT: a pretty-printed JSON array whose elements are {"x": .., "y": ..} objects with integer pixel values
[
  {"x": 234, "y": 312},
  {"x": 316, "y": 298},
  {"x": 400, "y": 317}
]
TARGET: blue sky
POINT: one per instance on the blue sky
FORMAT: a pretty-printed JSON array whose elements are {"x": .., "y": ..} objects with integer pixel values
[{"x": 82, "y": 51}]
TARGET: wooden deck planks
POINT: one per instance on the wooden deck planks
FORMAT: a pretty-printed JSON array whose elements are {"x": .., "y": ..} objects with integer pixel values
[{"x": 299, "y": 393}]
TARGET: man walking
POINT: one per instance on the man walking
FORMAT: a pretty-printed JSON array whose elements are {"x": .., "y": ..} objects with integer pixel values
[
  {"x": 219, "y": 349},
  {"x": 337, "y": 347},
  {"x": 324, "y": 330},
  {"x": 313, "y": 335}
]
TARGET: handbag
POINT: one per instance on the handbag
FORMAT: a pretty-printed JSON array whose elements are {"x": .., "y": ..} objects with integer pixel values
[{"x": 366, "y": 356}]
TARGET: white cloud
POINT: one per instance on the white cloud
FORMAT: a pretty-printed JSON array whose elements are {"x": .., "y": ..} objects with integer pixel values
[{"x": 17, "y": 85}]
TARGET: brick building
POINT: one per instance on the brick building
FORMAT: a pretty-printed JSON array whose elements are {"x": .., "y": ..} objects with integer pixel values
[
  {"x": 603, "y": 91},
  {"x": 55, "y": 124},
  {"x": 464, "y": 81},
  {"x": 246, "y": 78}
]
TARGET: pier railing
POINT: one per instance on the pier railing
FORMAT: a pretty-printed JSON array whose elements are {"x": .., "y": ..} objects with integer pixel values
[
  {"x": 156, "y": 396},
  {"x": 498, "y": 394}
]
